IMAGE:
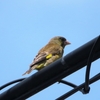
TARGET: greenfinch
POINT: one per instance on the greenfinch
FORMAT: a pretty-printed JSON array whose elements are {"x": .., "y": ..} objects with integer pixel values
[{"x": 48, "y": 54}]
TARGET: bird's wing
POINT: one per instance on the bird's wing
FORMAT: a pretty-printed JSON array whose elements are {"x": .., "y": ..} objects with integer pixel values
[{"x": 39, "y": 58}]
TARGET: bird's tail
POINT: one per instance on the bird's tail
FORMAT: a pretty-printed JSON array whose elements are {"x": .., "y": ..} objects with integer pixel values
[{"x": 28, "y": 71}]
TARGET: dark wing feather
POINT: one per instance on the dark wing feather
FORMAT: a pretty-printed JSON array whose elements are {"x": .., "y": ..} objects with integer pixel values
[{"x": 39, "y": 58}]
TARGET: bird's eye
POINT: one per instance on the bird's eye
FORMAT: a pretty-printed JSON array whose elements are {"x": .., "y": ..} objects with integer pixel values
[{"x": 63, "y": 39}]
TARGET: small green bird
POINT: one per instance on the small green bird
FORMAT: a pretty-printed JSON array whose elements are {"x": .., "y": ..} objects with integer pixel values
[{"x": 49, "y": 53}]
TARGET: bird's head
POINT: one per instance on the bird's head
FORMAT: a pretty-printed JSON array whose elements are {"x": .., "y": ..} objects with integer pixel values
[{"x": 60, "y": 41}]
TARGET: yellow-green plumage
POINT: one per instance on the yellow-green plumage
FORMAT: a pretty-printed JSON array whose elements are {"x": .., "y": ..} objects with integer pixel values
[
  {"x": 47, "y": 61},
  {"x": 48, "y": 54}
]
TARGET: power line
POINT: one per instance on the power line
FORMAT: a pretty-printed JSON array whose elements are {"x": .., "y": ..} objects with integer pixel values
[{"x": 61, "y": 68}]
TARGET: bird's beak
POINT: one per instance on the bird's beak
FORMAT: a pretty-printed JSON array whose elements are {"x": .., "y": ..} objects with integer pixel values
[{"x": 67, "y": 43}]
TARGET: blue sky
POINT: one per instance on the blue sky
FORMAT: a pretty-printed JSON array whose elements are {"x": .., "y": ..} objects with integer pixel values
[{"x": 27, "y": 25}]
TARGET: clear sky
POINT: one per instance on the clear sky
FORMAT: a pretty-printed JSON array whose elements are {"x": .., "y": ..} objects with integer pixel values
[{"x": 27, "y": 25}]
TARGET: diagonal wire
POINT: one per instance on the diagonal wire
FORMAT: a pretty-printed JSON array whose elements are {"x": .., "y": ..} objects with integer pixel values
[{"x": 69, "y": 84}]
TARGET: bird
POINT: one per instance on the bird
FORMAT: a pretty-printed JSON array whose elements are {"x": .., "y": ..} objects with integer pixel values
[{"x": 52, "y": 51}]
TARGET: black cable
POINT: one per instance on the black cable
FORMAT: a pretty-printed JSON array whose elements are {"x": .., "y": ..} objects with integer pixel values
[
  {"x": 70, "y": 84},
  {"x": 7, "y": 84},
  {"x": 66, "y": 95},
  {"x": 86, "y": 89}
]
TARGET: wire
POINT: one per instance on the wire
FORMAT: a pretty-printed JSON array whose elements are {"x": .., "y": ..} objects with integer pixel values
[
  {"x": 15, "y": 81},
  {"x": 66, "y": 95},
  {"x": 70, "y": 84},
  {"x": 86, "y": 89}
]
